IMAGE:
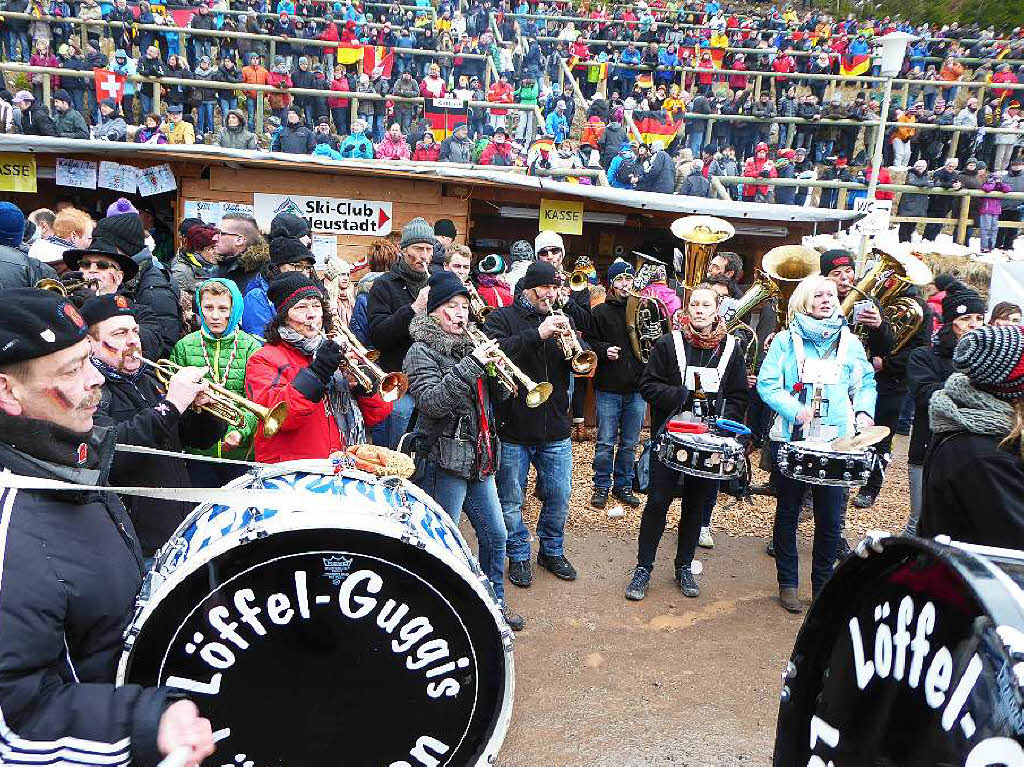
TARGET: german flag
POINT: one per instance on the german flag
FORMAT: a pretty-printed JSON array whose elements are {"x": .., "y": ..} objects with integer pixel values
[
  {"x": 444, "y": 115},
  {"x": 855, "y": 66},
  {"x": 645, "y": 80},
  {"x": 717, "y": 55},
  {"x": 655, "y": 126},
  {"x": 349, "y": 53},
  {"x": 377, "y": 60}
]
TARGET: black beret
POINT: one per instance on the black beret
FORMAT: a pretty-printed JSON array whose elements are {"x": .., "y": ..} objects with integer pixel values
[
  {"x": 35, "y": 323},
  {"x": 99, "y": 308}
]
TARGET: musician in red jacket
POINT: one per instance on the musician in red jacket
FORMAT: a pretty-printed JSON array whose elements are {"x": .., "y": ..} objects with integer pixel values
[{"x": 299, "y": 365}]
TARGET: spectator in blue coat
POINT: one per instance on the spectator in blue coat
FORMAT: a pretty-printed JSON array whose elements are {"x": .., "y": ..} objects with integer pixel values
[
  {"x": 289, "y": 252},
  {"x": 556, "y": 124},
  {"x": 356, "y": 144}
]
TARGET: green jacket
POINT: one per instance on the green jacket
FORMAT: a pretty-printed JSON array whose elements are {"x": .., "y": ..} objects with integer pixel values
[
  {"x": 189, "y": 351},
  {"x": 528, "y": 94},
  {"x": 70, "y": 124}
]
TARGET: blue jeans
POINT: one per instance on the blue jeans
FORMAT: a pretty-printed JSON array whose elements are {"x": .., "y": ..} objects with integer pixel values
[
  {"x": 823, "y": 149},
  {"x": 696, "y": 141},
  {"x": 250, "y": 110},
  {"x": 553, "y": 461},
  {"x": 146, "y": 99},
  {"x": 907, "y": 413},
  {"x": 204, "y": 118},
  {"x": 619, "y": 419},
  {"x": 14, "y": 38},
  {"x": 828, "y": 523},
  {"x": 479, "y": 498},
  {"x": 390, "y": 430},
  {"x": 226, "y": 105}
]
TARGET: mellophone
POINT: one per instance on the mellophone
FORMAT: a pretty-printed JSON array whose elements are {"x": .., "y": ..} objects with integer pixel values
[{"x": 706, "y": 448}]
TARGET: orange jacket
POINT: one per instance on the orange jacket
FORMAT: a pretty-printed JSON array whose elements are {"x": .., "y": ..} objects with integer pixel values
[
  {"x": 906, "y": 133},
  {"x": 254, "y": 75}
]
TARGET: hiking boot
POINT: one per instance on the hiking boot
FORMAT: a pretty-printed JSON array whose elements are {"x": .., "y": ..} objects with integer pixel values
[
  {"x": 559, "y": 566},
  {"x": 514, "y": 620},
  {"x": 843, "y": 549},
  {"x": 790, "y": 601},
  {"x": 600, "y": 497},
  {"x": 520, "y": 573},
  {"x": 705, "y": 541},
  {"x": 864, "y": 499},
  {"x": 637, "y": 588},
  {"x": 684, "y": 577},
  {"x": 625, "y": 494}
]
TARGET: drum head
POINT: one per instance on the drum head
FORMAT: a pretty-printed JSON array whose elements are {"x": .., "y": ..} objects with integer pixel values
[
  {"x": 899, "y": 663},
  {"x": 330, "y": 646}
]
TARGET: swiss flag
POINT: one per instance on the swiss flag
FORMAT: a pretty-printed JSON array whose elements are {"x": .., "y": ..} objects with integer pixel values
[{"x": 109, "y": 85}]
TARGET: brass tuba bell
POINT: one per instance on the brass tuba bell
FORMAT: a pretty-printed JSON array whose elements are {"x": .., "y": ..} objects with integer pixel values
[
  {"x": 785, "y": 266},
  {"x": 886, "y": 284},
  {"x": 702, "y": 236}
]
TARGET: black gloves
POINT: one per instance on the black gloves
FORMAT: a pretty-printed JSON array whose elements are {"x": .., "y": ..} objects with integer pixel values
[{"x": 326, "y": 361}]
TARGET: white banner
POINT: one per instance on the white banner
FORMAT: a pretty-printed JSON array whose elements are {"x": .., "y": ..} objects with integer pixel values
[
  {"x": 213, "y": 212},
  {"x": 326, "y": 215},
  {"x": 1007, "y": 284},
  {"x": 80, "y": 174}
]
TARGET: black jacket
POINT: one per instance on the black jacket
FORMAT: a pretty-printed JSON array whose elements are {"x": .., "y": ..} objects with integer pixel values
[
  {"x": 160, "y": 318},
  {"x": 141, "y": 417},
  {"x": 621, "y": 376},
  {"x": 927, "y": 370},
  {"x": 515, "y": 327},
  {"x": 973, "y": 491},
  {"x": 18, "y": 270},
  {"x": 71, "y": 569},
  {"x": 663, "y": 389},
  {"x": 37, "y": 122},
  {"x": 388, "y": 314}
]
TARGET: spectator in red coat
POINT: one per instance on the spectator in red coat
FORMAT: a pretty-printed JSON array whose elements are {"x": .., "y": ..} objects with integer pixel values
[
  {"x": 498, "y": 151},
  {"x": 300, "y": 366},
  {"x": 433, "y": 85},
  {"x": 759, "y": 166},
  {"x": 427, "y": 150},
  {"x": 339, "y": 107},
  {"x": 738, "y": 83},
  {"x": 883, "y": 178}
]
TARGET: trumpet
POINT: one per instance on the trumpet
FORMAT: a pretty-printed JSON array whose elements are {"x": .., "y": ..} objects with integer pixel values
[
  {"x": 477, "y": 305},
  {"x": 582, "y": 361},
  {"x": 509, "y": 374},
  {"x": 366, "y": 372},
  {"x": 578, "y": 280},
  {"x": 64, "y": 288},
  {"x": 225, "y": 404}
]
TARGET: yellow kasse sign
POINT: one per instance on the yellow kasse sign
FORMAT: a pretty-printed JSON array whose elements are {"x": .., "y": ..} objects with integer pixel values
[
  {"x": 17, "y": 172},
  {"x": 561, "y": 216}
]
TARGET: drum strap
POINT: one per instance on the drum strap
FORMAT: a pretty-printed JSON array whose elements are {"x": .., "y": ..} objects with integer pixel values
[
  {"x": 723, "y": 362},
  {"x": 843, "y": 346}
]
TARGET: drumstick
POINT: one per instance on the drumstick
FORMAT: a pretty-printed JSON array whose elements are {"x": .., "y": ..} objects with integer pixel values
[{"x": 177, "y": 758}]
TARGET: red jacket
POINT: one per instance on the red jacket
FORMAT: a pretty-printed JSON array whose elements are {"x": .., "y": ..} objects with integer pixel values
[
  {"x": 339, "y": 83},
  {"x": 499, "y": 93},
  {"x": 753, "y": 169},
  {"x": 883, "y": 178},
  {"x": 310, "y": 430},
  {"x": 494, "y": 292},
  {"x": 497, "y": 154},
  {"x": 427, "y": 153}
]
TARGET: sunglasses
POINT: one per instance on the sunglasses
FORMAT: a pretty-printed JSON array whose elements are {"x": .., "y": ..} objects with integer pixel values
[
  {"x": 548, "y": 250},
  {"x": 102, "y": 265}
]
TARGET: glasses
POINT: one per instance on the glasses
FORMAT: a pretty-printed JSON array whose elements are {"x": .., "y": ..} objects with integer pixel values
[
  {"x": 236, "y": 235},
  {"x": 101, "y": 265},
  {"x": 549, "y": 251}
]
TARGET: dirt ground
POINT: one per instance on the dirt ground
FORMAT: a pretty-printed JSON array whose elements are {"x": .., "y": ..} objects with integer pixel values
[{"x": 669, "y": 680}]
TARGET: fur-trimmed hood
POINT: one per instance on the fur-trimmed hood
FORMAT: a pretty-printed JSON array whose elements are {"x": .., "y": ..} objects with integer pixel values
[
  {"x": 425, "y": 329},
  {"x": 255, "y": 257}
]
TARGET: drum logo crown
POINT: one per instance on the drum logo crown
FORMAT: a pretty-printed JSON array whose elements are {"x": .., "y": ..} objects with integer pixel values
[{"x": 336, "y": 569}]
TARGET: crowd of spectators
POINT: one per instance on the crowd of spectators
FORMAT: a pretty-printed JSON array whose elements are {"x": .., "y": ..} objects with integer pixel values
[{"x": 625, "y": 60}]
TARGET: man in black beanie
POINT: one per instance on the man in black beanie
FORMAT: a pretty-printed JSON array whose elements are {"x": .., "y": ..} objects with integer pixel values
[
  {"x": 393, "y": 300},
  {"x": 528, "y": 333},
  {"x": 144, "y": 412},
  {"x": 928, "y": 367},
  {"x": 65, "y": 613}
]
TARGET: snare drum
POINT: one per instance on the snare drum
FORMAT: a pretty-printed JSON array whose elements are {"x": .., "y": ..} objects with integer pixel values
[
  {"x": 815, "y": 463},
  {"x": 702, "y": 455},
  {"x": 910, "y": 656},
  {"x": 359, "y": 630}
]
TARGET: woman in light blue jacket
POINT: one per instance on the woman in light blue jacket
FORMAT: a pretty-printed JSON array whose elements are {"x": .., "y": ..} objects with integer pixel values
[{"x": 817, "y": 347}]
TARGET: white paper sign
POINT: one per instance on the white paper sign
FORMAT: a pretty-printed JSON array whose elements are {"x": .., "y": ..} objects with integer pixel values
[
  {"x": 77, "y": 173},
  {"x": 876, "y": 218},
  {"x": 212, "y": 212},
  {"x": 328, "y": 215},
  {"x": 324, "y": 246},
  {"x": 155, "y": 180},
  {"x": 121, "y": 178}
]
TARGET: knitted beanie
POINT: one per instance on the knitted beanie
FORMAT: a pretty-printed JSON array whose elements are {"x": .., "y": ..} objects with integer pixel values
[
  {"x": 289, "y": 288},
  {"x": 124, "y": 231},
  {"x": 417, "y": 231},
  {"x": 288, "y": 225},
  {"x": 443, "y": 287},
  {"x": 200, "y": 237},
  {"x": 521, "y": 250},
  {"x": 959, "y": 300},
  {"x": 120, "y": 205},
  {"x": 833, "y": 259},
  {"x": 12, "y": 224},
  {"x": 548, "y": 239},
  {"x": 993, "y": 358},
  {"x": 445, "y": 227},
  {"x": 618, "y": 267},
  {"x": 540, "y": 273},
  {"x": 289, "y": 250}
]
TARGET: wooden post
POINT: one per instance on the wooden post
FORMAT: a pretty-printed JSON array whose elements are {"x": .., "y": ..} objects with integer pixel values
[
  {"x": 953, "y": 144},
  {"x": 841, "y": 202},
  {"x": 156, "y": 99},
  {"x": 181, "y": 45},
  {"x": 963, "y": 220},
  {"x": 906, "y": 96},
  {"x": 47, "y": 91},
  {"x": 757, "y": 87},
  {"x": 273, "y": 53},
  {"x": 259, "y": 110}
]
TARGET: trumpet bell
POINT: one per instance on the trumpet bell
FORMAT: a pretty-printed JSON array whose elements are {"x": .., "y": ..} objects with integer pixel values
[
  {"x": 578, "y": 280},
  {"x": 393, "y": 387},
  {"x": 274, "y": 418},
  {"x": 539, "y": 394},
  {"x": 584, "y": 362},
  {"x": 703, "y": 230}
]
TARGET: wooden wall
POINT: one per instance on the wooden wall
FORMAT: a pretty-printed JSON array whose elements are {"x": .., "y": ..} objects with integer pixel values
[{"x": 409, "y": 198}]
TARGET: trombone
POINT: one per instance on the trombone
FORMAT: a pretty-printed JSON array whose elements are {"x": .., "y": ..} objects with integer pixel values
[
  {"x": 225, "y": 404},
  {"x": 366, "y": 372},
  {"x": 509, "y": 374},
  {"x": 64, "y": 288},
  {"x": 582, "y": 361}
]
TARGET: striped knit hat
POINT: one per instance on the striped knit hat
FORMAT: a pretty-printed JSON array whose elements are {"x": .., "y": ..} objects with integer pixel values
[{"x": 993, "y": 358}]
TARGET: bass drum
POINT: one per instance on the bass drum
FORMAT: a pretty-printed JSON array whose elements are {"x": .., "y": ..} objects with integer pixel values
[
  {"x": 912, "y": 657},
  {"x": 349, "y": 624}
]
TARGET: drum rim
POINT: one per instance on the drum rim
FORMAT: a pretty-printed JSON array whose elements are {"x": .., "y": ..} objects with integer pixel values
[
  {"x": 661, "y": 448},
  {"x": 867, "y": 453},
  {"x": 986, "y": 583},
  {"x": 504, "y": 717}
]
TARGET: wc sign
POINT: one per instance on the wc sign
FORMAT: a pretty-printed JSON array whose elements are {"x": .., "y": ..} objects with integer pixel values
[{"x": 327, "y": 215}]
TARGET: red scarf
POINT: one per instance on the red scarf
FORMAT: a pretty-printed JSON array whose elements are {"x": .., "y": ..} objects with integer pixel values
[{"x": 710, "y": 339}]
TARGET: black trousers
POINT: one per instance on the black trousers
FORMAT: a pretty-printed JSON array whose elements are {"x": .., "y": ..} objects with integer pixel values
[
  {"x": 1006, "y": 236},
  {"x": 665, "y": 486},
  {"x": 906, "y": 230},
  {"x": 887, "y": 413}
]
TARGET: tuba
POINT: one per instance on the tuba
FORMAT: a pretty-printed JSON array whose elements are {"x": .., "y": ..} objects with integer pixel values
[
  {"x": 785, "y": 266},
  {"x": 759, "y": 293},
  {"x": 646, "y": 317},
  {"x": 702, "y": 236},
  {"x": 886, "y": 284}
]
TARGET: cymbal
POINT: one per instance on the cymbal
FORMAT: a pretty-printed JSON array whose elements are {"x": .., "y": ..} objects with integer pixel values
[{"x": 866, "y": 437}]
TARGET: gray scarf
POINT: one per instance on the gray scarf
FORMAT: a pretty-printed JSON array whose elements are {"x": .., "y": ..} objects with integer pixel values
[
  {"x": 347, "y": 414},
  {"x": 414, "y": 280},
  {"x": 961, "y": 407}
]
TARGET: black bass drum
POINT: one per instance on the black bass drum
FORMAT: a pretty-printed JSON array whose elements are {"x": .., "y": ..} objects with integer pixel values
[{"x": 910, "y": 656}]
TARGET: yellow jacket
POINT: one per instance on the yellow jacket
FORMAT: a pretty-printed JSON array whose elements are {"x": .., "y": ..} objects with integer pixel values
[{"x": 180, "y": 133}]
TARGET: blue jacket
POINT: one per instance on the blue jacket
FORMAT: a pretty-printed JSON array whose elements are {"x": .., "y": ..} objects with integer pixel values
[
  {"x": 779, "y": 375},
  {"x": 613, "y": 169},
  {"x": 358, "y": 146},
  {"x": 257, "y": 310},
  {"x": 325, "y": 150},
  {"x": 557, "y": 127}
]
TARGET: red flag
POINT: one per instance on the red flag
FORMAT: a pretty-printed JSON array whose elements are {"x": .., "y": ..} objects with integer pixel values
[
  {"x": 377, "y": 61},
  {"x": 109, "y": 85}
]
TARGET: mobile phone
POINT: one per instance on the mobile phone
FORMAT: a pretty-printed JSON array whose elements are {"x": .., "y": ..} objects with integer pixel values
[{"x": 860, "y": 307}]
